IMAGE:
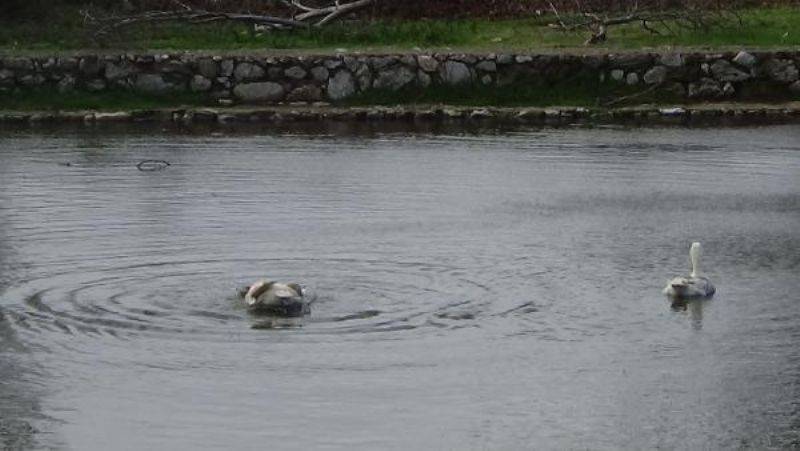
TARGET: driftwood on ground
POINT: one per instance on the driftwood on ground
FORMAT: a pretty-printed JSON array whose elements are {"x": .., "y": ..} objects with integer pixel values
[
  {"x": 593, "y": 16},
  {"x": 650, "y": 19},
  {"x": 301, "y": 16}
]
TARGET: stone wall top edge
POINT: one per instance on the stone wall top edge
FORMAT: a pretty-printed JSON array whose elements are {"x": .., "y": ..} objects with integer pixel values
[{"x": 256, "y": 55}]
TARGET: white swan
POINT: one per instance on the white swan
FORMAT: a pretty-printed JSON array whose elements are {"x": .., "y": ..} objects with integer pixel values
[
  {"x": 694, "y": 286},
  {"x": 285, "y": 299}
]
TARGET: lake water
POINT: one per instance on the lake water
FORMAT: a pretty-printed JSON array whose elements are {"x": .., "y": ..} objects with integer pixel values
[{"x": 473, "y": 289}]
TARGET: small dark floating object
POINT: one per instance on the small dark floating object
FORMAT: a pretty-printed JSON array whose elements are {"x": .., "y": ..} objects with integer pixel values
[
  {"x": 152, "y": 165},
  {"x": 456, "y": 316}
]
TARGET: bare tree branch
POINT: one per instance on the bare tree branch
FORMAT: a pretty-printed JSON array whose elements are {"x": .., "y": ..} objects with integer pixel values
[
  {"x": 598, "y": 25},
  {"x": 330, "y": 12},
  {"x": 619, "y": 100},
  {"x": 106, "y": 25},
  {"x": 309, "y": 16},
  {"x": 344, "y": 9}
]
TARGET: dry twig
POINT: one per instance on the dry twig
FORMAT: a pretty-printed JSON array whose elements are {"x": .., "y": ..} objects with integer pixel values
[
  {"x": 698, "y": 18},
  {"x": 306, "y": 17}
]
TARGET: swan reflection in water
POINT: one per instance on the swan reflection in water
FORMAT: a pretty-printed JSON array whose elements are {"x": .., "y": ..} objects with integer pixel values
[{"x": 694, "y": 307}]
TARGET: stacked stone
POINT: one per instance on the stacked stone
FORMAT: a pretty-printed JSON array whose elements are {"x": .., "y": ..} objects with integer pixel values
[
  {"x": 251, "y": 79},
  {"x": 707, "y": 76}
]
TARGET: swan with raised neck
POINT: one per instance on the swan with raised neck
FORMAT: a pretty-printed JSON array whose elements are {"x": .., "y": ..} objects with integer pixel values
[{"x": 693, "y": 286}]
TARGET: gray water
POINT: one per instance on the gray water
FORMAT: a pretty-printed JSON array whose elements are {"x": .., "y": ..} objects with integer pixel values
[{"x": 497, "y": 289}]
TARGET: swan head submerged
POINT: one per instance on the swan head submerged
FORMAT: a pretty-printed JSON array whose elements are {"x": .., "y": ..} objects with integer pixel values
[{"x": 284, "y": 299}]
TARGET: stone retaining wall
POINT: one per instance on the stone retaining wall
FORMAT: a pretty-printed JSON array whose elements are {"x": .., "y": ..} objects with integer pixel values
[{"x": 250, "y": 79}]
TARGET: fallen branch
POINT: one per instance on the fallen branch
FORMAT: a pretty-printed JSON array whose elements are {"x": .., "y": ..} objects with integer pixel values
[
  {"x": 635, "y": 95},
  {"x": 598, "y": 25},
  {"x": 305, "y": 17},
  {"x": 328, "y": 13},
  {"x": 106, "y": 25}
]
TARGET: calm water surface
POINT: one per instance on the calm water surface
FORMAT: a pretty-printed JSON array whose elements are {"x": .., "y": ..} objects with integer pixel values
[{"x": 490, "y": 290}]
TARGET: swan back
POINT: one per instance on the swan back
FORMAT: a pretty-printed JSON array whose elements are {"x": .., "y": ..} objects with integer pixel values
[
  {"x": 689, "y": 287},
  {"x": 284, "y": 299},
  {"x": 272, "y": 292}
]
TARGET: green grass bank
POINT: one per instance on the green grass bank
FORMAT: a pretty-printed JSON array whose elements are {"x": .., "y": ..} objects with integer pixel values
[{"x": 759, "y": 28}]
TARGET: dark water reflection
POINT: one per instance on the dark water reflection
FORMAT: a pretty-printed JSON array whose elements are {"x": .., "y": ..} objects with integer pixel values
[{"x": 496, "y": 289}]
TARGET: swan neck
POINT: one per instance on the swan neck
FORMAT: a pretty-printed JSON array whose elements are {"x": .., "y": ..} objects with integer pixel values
[{"x": 694, "y": 256}]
